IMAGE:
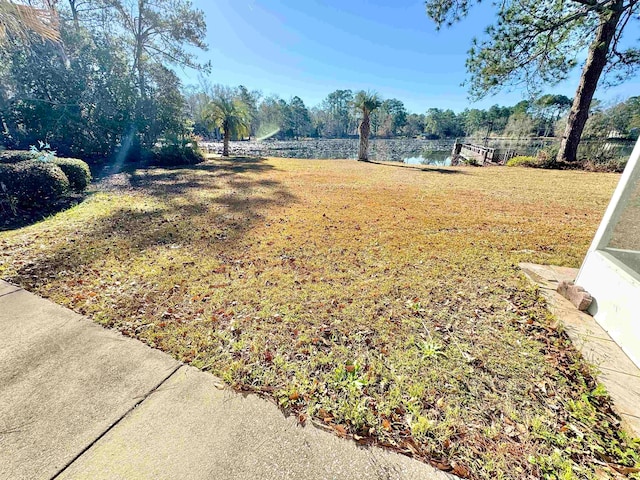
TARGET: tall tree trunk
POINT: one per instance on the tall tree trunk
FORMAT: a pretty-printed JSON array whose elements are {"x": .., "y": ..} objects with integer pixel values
[
  {"x": 74, "y": 13},
  {"x": 225, "y": 143},
  {"x": 593, "y": 67},
  {"x": 138, "y": 69},
  {"x": 363, "y": 131}
]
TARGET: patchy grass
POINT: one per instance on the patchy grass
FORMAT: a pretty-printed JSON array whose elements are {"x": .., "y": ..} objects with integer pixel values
[{"x": 383, "y": 303}]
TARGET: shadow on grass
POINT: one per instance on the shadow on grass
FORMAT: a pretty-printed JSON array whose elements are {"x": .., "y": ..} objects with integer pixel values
[
  {"x": 181, "y": 179},
  {"x": 23, "y": 218},
  {"x": 446, "y": 171},
  {"x": 208, "y": 206}
]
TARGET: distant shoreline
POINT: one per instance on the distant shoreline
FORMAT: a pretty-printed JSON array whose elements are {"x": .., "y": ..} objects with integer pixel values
[{"x": 380, "y": 149}]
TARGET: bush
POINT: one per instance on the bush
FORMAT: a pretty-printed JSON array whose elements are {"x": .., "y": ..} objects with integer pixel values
[
  {"x": 544, "y": 159},
  {"x": 523, "y": 161},
  {"x": 468, "y": 162},
  {"x": 7, "y": 200},
  {"x": 549, "y": 154},
  {"x": 76, "y": 171},
  {"x": 599, "y": 158},
  {"x": 15, "y": 156},
  {"x": 176, "y": 154},
  {"x": 32, "y": 183},
  {"x": 612, "y": 165},
  {"x": 599, "y": 161}
]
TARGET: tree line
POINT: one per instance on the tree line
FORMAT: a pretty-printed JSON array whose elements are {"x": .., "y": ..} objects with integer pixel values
[
  {"x": 339, "y": 116},
  {"x": 95, "y": 78}
]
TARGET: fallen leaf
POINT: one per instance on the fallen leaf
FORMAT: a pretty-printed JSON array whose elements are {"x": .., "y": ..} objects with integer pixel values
[
  {"x": 461, "y": 471},
  {"x": 441, "y": 466},
  {"x": 341, "y": 430},
  {"x": 624, "y": 470}
]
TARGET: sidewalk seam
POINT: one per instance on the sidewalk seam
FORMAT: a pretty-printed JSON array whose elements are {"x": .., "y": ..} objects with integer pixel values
[
  {"x": 9, "y": 293},
  {"x": 613, "y": 370},
  {"x": 114, "y": 424}
]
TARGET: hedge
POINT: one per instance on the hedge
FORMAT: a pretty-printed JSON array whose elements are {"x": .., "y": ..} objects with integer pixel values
[
  {"x": 76, "y": 171},
  {"x": 170, "y": 155},
  {"x": 15, "y": 156},
  {"x": 32, "y": 183},
  {"x": 28, "y": 183}
]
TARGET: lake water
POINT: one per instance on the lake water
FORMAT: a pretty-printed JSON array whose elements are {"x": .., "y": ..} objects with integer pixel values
[
  {"x": 412, "y": 151},
  {"x": 437, "y": 159},
  {"x": 407, "y": 150}
]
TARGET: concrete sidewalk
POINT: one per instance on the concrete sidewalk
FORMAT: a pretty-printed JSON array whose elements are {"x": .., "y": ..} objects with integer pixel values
[
  {"x": 617, "y": 372},
  {"x": 81, "y": 402}
]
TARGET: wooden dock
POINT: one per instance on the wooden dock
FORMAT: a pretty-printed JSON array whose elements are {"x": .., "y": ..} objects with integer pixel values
[{"x": 480, "y": 154}]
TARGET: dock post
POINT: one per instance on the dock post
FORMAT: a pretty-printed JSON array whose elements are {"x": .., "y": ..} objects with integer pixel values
[{"x": 457, "y": 147}]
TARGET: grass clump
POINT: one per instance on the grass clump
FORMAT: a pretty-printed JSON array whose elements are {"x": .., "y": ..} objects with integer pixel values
[
  {"x": 380, "y": 302},
  {"x": 523, "y": 161}
]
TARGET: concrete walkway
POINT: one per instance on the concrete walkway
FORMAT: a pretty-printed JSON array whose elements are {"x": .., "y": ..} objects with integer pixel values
[
  {"x": 81, "y": 402},
  {"x": 617, "y": 372}
]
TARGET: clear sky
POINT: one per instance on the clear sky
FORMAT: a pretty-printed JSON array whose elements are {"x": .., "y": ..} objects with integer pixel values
[{"x": 309, "y": 48}]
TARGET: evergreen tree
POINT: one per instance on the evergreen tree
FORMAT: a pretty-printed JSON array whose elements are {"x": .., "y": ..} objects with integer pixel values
[{"x": 535, "y": 42}]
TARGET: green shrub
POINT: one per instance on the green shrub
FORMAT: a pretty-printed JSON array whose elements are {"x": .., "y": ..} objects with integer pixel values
[
  {"x": 469, "y": 162},
  {"x": 76, "y": 171},
  {"x": 523, "y": 161},
  {"x": 32, "y": 183},
  {"x": 15, "y": 156},
  {"x": 7, "y": 200},
  {"x": 604, "y": 162},
  {"x": 176, "y": 154}
]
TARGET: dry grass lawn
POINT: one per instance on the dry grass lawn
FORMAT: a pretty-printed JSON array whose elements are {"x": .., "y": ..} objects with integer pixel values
[{"x": 381, "y": 302}]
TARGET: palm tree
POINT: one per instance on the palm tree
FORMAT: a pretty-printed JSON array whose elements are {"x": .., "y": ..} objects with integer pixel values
[
  {"x": 367, "y": 102},
  {"x": 230, "y": 115},
  {"x": 19, "y": 20}
]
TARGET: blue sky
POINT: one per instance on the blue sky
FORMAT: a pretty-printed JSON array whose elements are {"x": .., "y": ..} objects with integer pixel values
[{"x": 309, "y": 48}]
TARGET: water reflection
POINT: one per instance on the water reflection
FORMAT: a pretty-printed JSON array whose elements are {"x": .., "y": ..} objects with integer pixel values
[
  {"x": 407, "y": 150},
  {"x": 436, "y": 159}
]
